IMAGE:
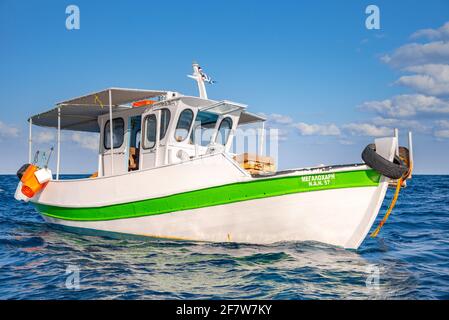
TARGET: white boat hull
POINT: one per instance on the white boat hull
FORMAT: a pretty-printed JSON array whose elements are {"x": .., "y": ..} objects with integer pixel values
[
  {"x": 333, "y": 205},
  {"x": 325, "y": 216}
]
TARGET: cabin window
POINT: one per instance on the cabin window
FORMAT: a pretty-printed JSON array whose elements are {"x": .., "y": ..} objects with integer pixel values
[
  {"x": 165, "y": 121},
  {"x": 118, "y": 131},
  {"x": 203, "y": 129},
  {"x": 223, "y": 131},
  {"x": 150, "y": 131},
  {"x": 183, "y": 126}
]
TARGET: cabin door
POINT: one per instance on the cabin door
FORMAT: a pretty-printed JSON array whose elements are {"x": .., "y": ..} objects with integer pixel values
[{"x": 116, "y": 162}]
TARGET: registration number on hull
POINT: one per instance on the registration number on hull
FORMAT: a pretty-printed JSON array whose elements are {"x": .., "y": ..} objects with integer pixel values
[{"x": 318, "y": 179}]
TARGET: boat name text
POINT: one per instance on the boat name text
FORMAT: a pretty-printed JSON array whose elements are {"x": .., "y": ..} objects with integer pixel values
[{"x": 318, "y": 180}]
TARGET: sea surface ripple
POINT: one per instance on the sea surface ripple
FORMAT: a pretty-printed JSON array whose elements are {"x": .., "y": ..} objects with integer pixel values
[{"x": 410, "y": 257}]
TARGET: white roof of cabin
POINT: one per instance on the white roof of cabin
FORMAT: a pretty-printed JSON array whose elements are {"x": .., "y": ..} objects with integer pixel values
[
  {"x": 81, "y": 113},
  {"x": 224, "y": 107},
  {"x": 249, "y": 117},
  {"x": 119, "y": 96}
]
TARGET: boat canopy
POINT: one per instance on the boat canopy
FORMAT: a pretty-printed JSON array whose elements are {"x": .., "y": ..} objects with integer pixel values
[
  {"x": 85, "y": 112},
  {"x": 225, "y": 107},
  {"x": 249, "y": 117},
  {"x": 81, "y": 114}
]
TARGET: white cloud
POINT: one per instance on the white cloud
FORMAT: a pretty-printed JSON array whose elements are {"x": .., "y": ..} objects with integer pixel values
[
  {"x": 378, "y": 127},
  {"x": 317, "y": 129},
  {"x": 427, "y": 65},
  {"x": 86, "y": 140},
  {"x": 433, "y": 34},
  {"x": 408, "y": 105},
  {"x": 418, "y": 54},
  {"x": 280, "y": 119},
  {"x": 431, "y": 79},
  {"x": 8, "y": 131},
  {"x": 442, "y": 134},
  {"x": 276, "y": 118},
  {"x": 443, "y": 124},
  {"x": 367, "y": 129},
  {"x": 413, "y": 125},
  {"x": 45, "y": 137},
  {"x": 346, "y": 142},
  {"x": 443, "y": 129}
]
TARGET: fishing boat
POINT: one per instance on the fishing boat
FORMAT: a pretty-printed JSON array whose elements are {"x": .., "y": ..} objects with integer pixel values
[{"x": 159, "y": 176}]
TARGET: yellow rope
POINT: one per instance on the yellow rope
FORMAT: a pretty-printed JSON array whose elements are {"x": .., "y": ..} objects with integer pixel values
[
  {"x": 392, "y": 204},
  {"x": 98, "y": 99},
  {"x": 395, "y": 197}
]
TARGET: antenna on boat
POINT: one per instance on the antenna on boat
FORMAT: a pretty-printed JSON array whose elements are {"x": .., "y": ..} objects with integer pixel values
[{"x": 200, "y": 78}]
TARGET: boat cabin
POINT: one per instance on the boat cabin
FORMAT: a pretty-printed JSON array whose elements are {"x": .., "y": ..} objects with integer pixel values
[{"x": 149, "y": 128}]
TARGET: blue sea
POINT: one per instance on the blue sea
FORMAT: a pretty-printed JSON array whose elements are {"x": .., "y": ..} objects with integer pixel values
[{"x": 408, "y": 260}]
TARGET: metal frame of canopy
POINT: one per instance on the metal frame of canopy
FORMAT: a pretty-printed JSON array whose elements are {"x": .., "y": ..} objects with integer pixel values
[
  {"x": 86, "y": 110},
  {"x": 225, "y": 107}
]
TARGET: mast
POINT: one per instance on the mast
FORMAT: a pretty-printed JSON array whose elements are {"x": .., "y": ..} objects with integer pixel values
[{"x": 198, "y": 76}]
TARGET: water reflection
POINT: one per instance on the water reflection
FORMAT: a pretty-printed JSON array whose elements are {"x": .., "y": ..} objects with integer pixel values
[{"x": 150, "y": 268}]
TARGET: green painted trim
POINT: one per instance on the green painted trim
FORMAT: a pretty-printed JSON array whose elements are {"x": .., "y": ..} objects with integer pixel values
[{"x": 224, "y": 194}]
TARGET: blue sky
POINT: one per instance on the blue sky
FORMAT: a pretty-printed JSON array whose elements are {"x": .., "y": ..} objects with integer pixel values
[{"x": 312, "y": 67}]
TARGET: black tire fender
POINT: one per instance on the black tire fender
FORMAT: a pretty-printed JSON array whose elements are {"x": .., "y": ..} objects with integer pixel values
[{"x": 392, "y": 170}]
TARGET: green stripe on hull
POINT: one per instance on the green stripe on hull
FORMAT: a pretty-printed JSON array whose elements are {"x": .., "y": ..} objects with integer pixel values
[{"x": 235, "y": 192}]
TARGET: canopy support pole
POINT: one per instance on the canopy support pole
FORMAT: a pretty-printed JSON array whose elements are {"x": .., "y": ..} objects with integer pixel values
[
  {"x": 111, "y": 125},
  {"x": 396, "y": 135},
  {"x": 30, "y": 141},
  {"x": 58, "y": 156},
  {"x": 158, "y": 137},
  {"x": 262, "y": 141}
]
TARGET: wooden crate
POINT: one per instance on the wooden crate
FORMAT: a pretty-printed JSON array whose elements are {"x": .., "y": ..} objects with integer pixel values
[{"x": 255, "y": 164}]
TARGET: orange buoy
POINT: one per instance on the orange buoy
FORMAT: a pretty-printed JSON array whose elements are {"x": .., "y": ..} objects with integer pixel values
[
  {"x": 30, "y": 184},
  {"x": 143, "y": 103},
  {"x": 27, "y": 191}
]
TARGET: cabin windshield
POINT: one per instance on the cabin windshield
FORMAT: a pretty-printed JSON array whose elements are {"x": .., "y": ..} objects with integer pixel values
[
  {"x": 203, "y": 129},
  {"x": 184, "y": 124},
  {"x": 165, "y": 121},
  {"x": 150, "y": 131},
  {"x": 223, "y": 131}
]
